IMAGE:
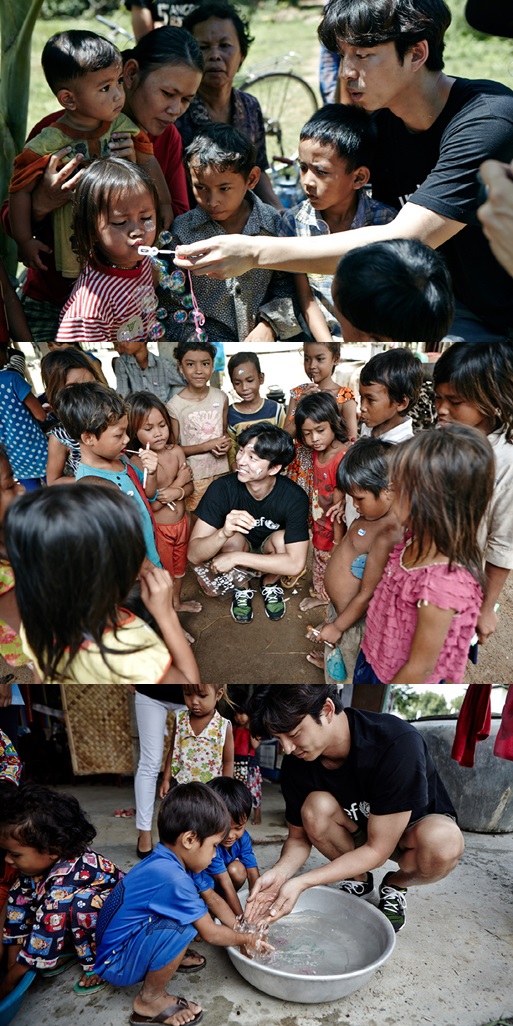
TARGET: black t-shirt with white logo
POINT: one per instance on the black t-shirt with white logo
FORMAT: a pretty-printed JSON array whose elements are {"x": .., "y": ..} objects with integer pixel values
[
  {"x": 438, "y": 168},
  {"x": 286, "y": 507},
  {"x": 388, "y": 770}
]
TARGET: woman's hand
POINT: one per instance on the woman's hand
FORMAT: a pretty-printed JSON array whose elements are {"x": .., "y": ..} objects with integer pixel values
[
  {"x": 121, "y": 144},
  {"x": 29, "y": 251},
  {"x": 58, "y": 183},
  {"x": 262, "y": 332},
  {"x": 225, "y": 257}
]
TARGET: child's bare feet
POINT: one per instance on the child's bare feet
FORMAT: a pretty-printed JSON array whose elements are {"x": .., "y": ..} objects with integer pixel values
[
  {"x": 316, "y": 659},
  {"x": 257, "y": 817},
  {"x": 311, "y": 603},
  {"x": 190, "y": 606},
  {"x": 88, "y": 983},
  {"x": 174, "y": 1011}
]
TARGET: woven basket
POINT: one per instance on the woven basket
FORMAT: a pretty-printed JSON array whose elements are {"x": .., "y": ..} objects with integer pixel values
[{"x": 98, "y": 726}]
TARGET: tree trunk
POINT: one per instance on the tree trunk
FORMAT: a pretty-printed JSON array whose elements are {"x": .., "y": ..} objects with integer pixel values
[{"x": 17, "y": 18}]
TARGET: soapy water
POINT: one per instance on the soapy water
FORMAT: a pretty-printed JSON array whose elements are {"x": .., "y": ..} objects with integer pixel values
[{"x": 309, "y": 943}]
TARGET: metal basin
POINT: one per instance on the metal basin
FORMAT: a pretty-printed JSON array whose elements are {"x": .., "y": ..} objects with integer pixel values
[{"x": 366, "y": 940}]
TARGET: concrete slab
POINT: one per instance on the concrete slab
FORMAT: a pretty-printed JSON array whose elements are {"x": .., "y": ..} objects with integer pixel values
[{"x": 451, "y": 965}]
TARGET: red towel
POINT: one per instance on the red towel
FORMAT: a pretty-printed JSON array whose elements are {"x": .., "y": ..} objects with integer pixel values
[
  {"x": 474, "y": 723},
  {"x": 504, "y": 741}
]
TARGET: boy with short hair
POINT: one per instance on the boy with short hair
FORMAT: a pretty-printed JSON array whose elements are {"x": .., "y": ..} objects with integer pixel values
[
  {"x": 85, "y": 72},
  {"x": 335, "y": 150},
  {"x": 358, "y": 562},
  {"x": 139, "y": 370},
  {"x": 235, "y": 862},
  {"x": 246, "y": 377},
  {"x": 96, "y": 416},
  {"x": 148, "y": 920},
  {"x": 390, "y": 385},
  {"x": 258, "y": 306}
]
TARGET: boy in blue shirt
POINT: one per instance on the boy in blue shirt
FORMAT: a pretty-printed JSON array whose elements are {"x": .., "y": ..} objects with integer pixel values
[
  {"x": 146, "y": 924},
  {"x": 97, "y": 417},
  {"x": 234, "y": 863}
]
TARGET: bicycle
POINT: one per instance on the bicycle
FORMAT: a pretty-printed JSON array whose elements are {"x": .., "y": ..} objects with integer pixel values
[
  {"x": 287, "y": 101},
  {"x": 115, "y": 31}
]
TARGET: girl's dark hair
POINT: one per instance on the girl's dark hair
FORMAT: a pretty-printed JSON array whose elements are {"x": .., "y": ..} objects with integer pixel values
[
  {"x": 239, "y": 358},
  {"x": 399, "y": 371},
  {"x": 482, "y": 374},
  {"x": 446, "y": 477},
  {"x": 56, "y": 365},
  {"x": 140, "y": 404},
  {"x": 278, "y": 708},
  {"x": 164, "y": 47},
  {"x": 89, "y": 408},
  {"x": 399, "y": 290},
  {"x": 369, "y": 23},
  {"x": 192, "y": 807},
  {"x": 68, "y": 56},
  {"x": 65, "y": 602},
  {"x": 333, "y": 346},
  {"x": 235, "y": 795},
  {"x": 48, "y": 821},
  {"x": 348, "y": 130},
  {"x": 193, "y": 344},
  {"x": 101, "y": 185},
  {"x": 225, "y": 12},
  {"x": 366, "y": 465},
  {"x": 270, "y": 443},
  {"x": 320, "y": 406},
  {"x": 222, "y": 148}
]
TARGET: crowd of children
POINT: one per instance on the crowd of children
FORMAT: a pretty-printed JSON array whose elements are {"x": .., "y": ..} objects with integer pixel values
[{"x": 167, "y": 433}]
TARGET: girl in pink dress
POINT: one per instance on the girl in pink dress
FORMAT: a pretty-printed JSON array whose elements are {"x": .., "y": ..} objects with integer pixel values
[{"x": 423, "y": 614}]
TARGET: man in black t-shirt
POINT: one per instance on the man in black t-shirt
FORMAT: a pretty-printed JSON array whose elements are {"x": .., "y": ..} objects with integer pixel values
[
  {"x": 254, "y": 518},
  {"x": 361, "y": 788},
  {"x": 151, "y": 14},
  {"x": 433, "y": 133}
]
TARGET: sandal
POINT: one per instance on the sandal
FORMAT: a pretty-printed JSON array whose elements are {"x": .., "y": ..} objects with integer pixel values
[
  {"x": 65, "y": 962},
  {"x": 290, "y": 582},
  {"x": 154, "y": 1020},
  {"x": 197, "y": 967},
  {"x": 81, "y": 989},
  {"x": 124, "y": 813}
]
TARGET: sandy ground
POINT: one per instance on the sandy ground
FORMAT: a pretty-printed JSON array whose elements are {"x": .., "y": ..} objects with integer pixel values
[{"x": 451, "y": 965}]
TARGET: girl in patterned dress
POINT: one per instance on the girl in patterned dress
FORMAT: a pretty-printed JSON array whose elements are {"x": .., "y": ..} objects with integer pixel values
[
  {"x": 320, "y": 359},
  {"x": 202, "y": 741}
]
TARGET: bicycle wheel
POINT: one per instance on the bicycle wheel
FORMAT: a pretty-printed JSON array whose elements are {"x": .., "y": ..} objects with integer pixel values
[{"x": 287, "y": 102}]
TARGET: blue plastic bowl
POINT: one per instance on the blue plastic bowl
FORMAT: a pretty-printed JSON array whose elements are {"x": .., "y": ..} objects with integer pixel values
[{"x": 12, "y": 1003}]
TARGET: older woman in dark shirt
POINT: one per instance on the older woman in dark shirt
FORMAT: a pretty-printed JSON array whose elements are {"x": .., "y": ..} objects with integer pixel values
[{"x": 224, "y": 40}]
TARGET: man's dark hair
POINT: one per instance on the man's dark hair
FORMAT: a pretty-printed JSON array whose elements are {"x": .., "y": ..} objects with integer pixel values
[
  {"x": 365, "y": 466},
  {"x": 369, "y": 23},
  {"x": 222, "y": 148},
  {"x": 270, "y": 443},
  {"x": 350, "y": 131},
  {"x": 399, "y": 290},
  {"x": 193, "y": 807},
  {"x": 68, "y": 56},
  {"x": 235, "y": 795},
  {"x": 399, "y": 371},
  {"x": 278, "y": 708}
]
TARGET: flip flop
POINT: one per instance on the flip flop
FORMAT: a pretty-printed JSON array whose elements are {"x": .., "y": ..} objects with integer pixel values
[
  {"x": 85, "y": 991},
  {"x": 192, "y": 968},
  {"x": 290, "y": 582},
  {"x": 65, "y": 963},
  {"x": 155, "y": 1020},
  {"x": 124, "y": 813}
]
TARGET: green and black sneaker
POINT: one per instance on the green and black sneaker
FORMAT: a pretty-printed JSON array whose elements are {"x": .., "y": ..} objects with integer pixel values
[
  {"x": 392, "y": 903},
  {"x": 274, "y": 605},
  {"x": 241, "y": 608}
]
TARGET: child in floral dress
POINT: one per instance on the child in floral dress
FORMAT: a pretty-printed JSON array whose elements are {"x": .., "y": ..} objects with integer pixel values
[{"x": 202, "y": 742}]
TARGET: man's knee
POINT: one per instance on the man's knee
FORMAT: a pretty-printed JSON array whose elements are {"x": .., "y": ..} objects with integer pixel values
[
  {"x": 319, "y": 812},
  {"x": 436, "y": 843}
]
